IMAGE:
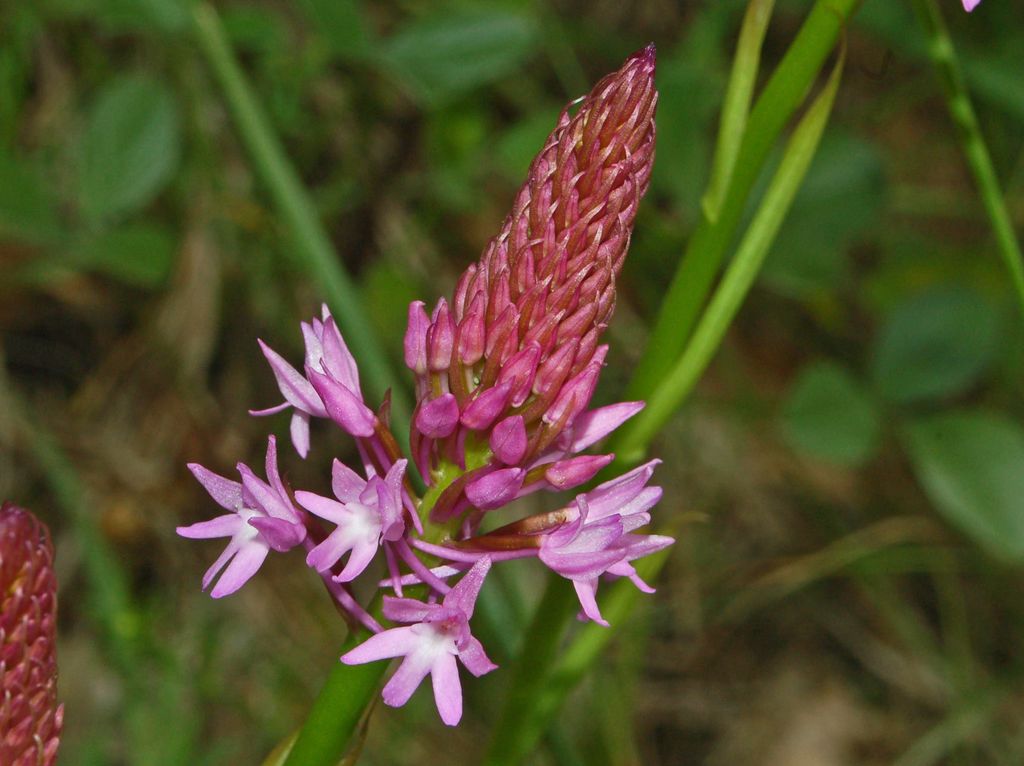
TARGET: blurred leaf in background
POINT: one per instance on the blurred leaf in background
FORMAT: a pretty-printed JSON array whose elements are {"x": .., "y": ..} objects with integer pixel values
[
  {"x": 448, "y": 53},
  {"x": 828, "y": 414},
  {"x": 971, "y": 464},
  {"x": 130, "y": 148},
  {"x": 935, "y": 344}
]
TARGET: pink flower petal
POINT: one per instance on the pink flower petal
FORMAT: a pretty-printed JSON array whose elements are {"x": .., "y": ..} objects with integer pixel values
[
  {"x": 408, "y": 677},
  {"x": 346, "y": 483},
  {"x": 463, "y": 596},
  {"x": 447, "y": 689},
  {"x": 382, "y": 646},
  {"x": 221, "y": 526},
  {"x": 225, "y": 492},
  {"x": 249, "y": 558}
]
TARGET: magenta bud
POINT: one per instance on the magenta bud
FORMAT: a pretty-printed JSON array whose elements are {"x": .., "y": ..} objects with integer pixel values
[
  {"x": 471, "y": 333},
  {"x": 565, "y": 474},
  {"x": 496, "y": 488},
  {"x": 438, "y": 417},
  {"x": 440, "y": 338},
  {"x": 344, "y": 407},
  {"x": 486, "y": 408},
  {"x": 463, "y": 290},
  {"x": 575, "y": 395},
  {"x": 416, "y": 338},
  {"x": 519, "y": 371},
  {"x": 500, "y": 298},
  {"x": 555, "y": 369},
  {"x": 576, "y": 324},
  {"x": 502, "y": 328},
  {"x": 508, "y": 440}
]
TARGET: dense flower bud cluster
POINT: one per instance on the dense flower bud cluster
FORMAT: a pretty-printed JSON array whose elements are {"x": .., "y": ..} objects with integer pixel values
[
  {"x": 505, "y": 370},
  {"x": 30, "y": 718},
  {"x": 504, "y": 377}
]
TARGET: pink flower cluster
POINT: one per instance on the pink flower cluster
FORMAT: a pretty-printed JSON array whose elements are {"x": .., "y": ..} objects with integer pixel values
[{"x": 504, "y": 376}]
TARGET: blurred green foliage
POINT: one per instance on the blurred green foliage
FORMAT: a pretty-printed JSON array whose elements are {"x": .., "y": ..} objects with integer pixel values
[{"x": 876, "y": 374}]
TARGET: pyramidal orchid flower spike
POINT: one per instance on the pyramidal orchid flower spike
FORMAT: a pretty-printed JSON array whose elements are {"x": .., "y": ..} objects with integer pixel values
[
  {"x": 30, "y": 717},
  {"x": 504, "y": 376}
]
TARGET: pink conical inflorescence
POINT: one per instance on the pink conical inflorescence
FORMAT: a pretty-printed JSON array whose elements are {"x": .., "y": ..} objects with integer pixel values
[
  {"x": 30, "y": 717},
  {"x": 504, "y": 375},
  {"x": 509, "y": 365}
]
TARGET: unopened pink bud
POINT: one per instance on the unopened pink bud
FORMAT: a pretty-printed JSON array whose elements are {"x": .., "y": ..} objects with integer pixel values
[
  {"x": 495, "y": 489},
  {"x": 555, "y": 369},
  {"x": 438, "y": 417},
  {"x": 416, "y": 338},
  {"x": 440, "y": 338},
  {"x": 465, "y": 288},
  {"x": 471, "y": 334},
  {"x": 486, "y": 408},
  {"x": 501, "y": 328},
  {"x": 343, "y": 406},
  {"x": 574, "y": 396},
  {"x": 518, "y": 373},
  {"x": 565, "y": 474},
  {"x": 508, "y": 440}
]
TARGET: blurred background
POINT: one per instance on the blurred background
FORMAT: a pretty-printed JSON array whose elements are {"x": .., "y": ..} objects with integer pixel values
[{"x": 846, "y": 588}]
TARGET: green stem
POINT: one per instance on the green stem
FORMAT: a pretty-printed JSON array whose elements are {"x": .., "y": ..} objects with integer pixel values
[
  {"x": 327, "y": 732},
  {"x": 738, "y": 279},
  {"x": 736, "y": 105},
  {"x": 972, "y": 143},
  {"x": 298, "y": 212},
  {"x": 692, "y": 282},
  {"x": 542, "y": 679},
  {"x": 529, "y": 676}
]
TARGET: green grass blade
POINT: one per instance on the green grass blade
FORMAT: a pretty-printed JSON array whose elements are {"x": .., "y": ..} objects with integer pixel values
[
  {"x": 696, "y": 272},
  {"x": 736, "y": 107},
  {"x": 543, "y": 678},
  {"x": 972, "y": 143},
  {"x": 738, "y": 278},
  {"x": 298, "y": 212}
]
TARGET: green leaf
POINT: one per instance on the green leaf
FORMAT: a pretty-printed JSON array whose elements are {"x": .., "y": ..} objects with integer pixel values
[
  {"x": 27, "y": 208},
  {"x": 687, "y": 98},
  {"x": 131, "y": 146},
  {"x": 444, "y": 56},
  {"x": 119, "y": 16},
  {"x": 841, "y": 198},
  {"x": 971, "y": 465},
  {"x": 828, "y": 415},
  {"x": 934, "y": 345},
  {"x": 996, "y": 79},
  {"x": 342, "y": 23},
  {"x": 520, "y": 143},
  {"x": 137, "y": 254}
]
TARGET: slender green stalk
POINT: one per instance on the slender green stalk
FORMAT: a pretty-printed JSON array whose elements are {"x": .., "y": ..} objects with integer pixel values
[
  {"x": 736, "y": 105},
  {"x": 298, "y": 212},
  {"x": 972, "y": 143},
  {"x": 692, "y": 282},
  {"x": 529, "y": 675},
  {"x": 341, "y": 704},
  {"x": 738, "y": 279},
  {"x": 541, "y": 681}
]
